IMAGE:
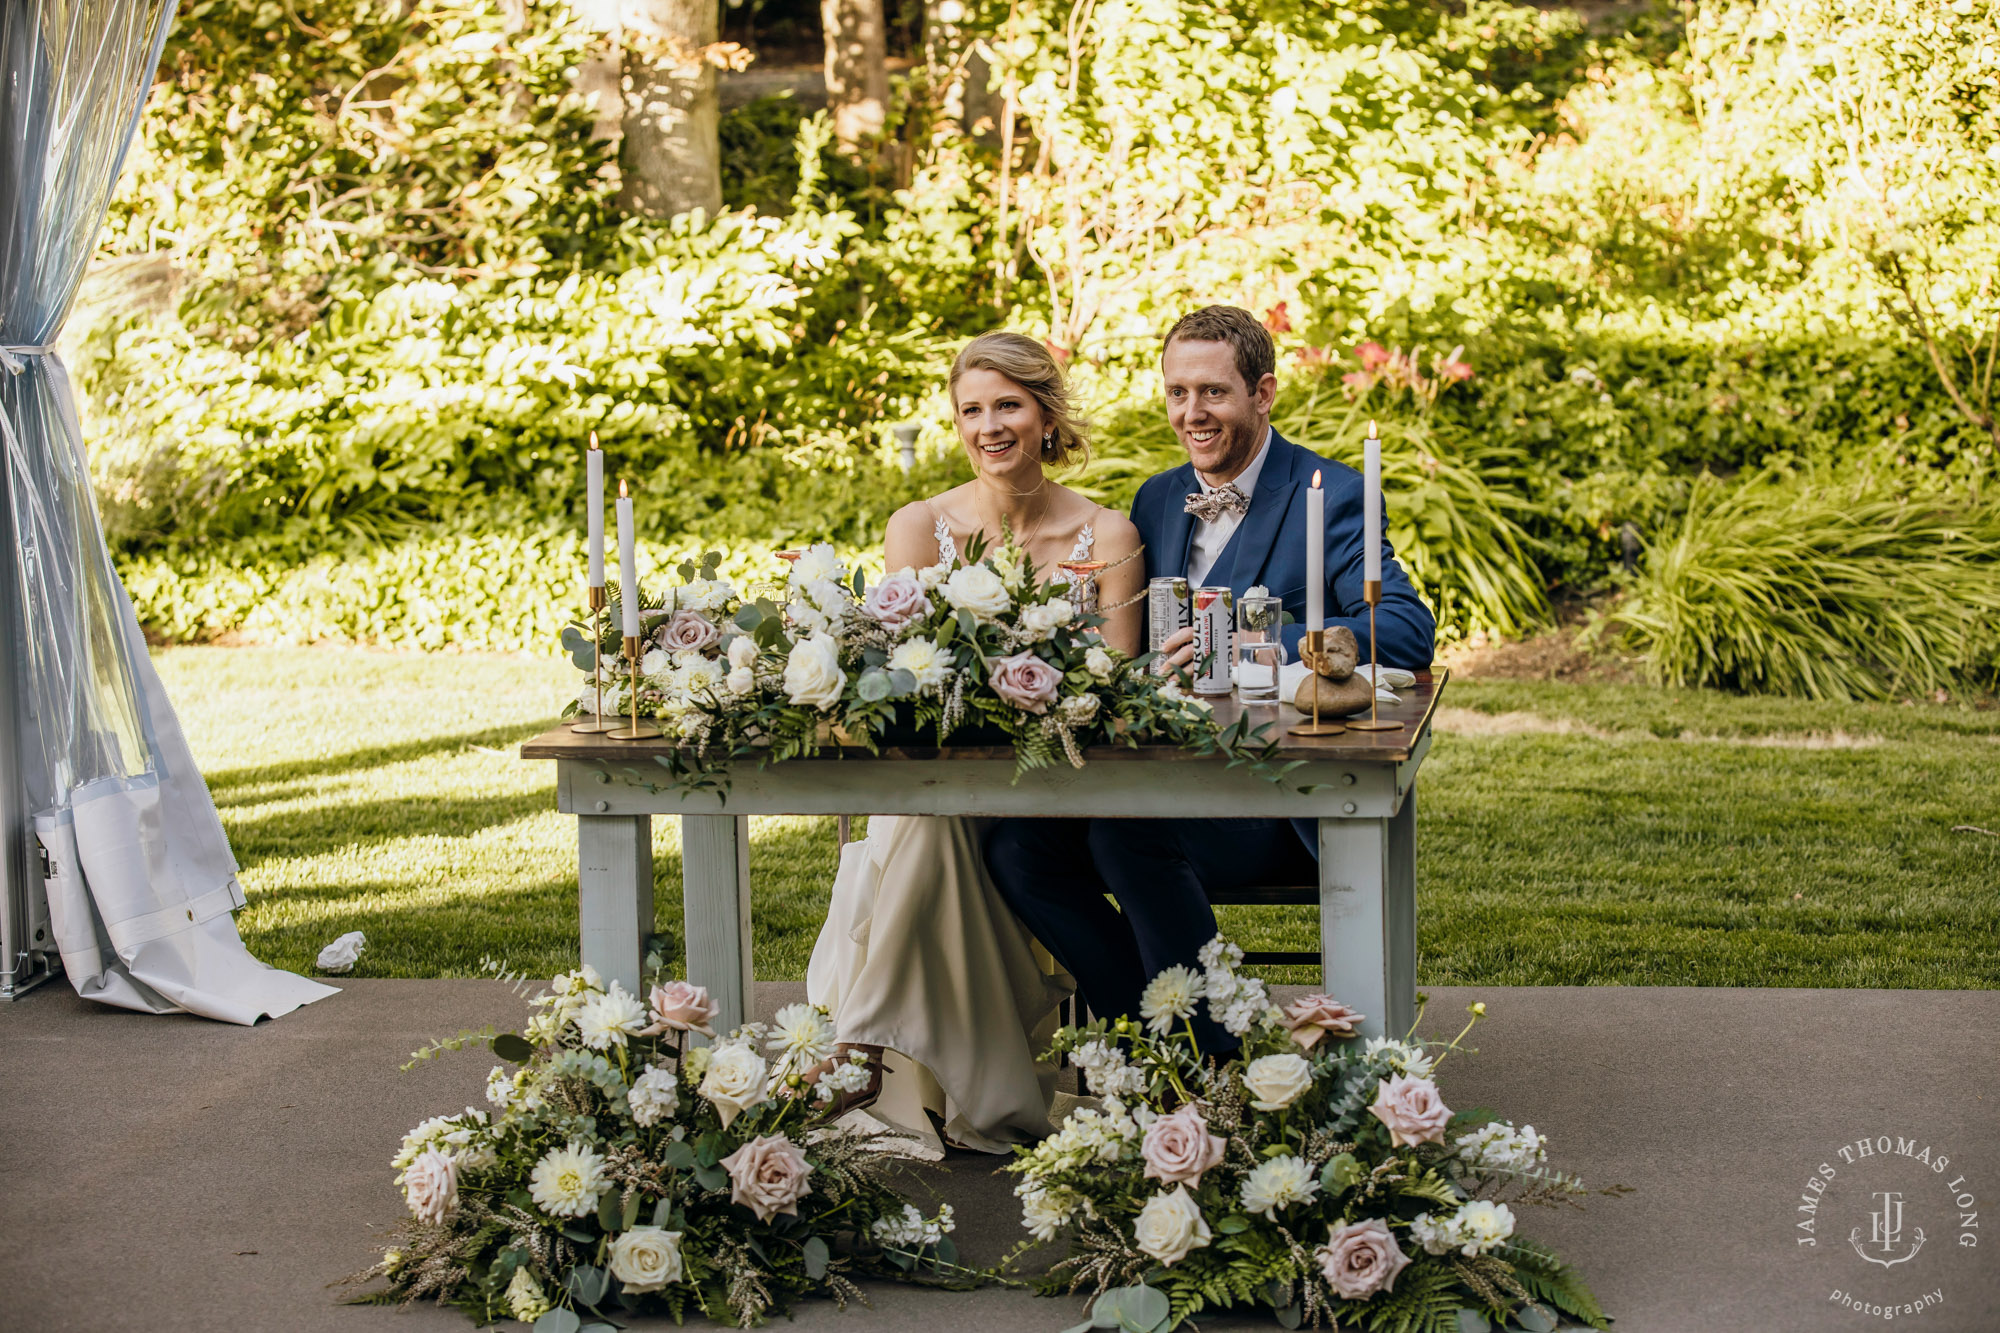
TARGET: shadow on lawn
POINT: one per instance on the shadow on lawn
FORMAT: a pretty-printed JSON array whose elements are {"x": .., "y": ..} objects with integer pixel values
[
  {"x": 222, "y": 781},
  {"x": 351, "y": 826}
]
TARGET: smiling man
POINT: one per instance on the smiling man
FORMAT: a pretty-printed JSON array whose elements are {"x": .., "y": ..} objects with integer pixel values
[{"x": 1233, "y": 515}]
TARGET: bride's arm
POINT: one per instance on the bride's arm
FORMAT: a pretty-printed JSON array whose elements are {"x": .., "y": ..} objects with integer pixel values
[
  {"x": 910, "y": 542},
  {"x": 1122, "y": 580}
]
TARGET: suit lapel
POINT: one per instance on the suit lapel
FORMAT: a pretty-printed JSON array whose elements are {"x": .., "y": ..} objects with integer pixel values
[
  {"x": 1251, "y": 543},
  {"x": 1177, "y": 525}
]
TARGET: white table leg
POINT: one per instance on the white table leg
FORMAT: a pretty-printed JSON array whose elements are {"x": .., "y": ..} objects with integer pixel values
[
  {"x": 1368, "y": 917},
  {"x": 715, "y": 900},
  {"x": 615, "y": 893}
]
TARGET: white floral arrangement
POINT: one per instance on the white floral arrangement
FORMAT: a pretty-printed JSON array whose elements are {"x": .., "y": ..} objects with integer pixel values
[
  {"x": 1315, "y": 1174},
  {"x": 975, "y": 645},
  {"x": 621, "y": 1171}
]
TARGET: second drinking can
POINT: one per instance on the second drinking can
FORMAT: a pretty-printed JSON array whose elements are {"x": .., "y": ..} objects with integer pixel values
[
  {"x": 1214, "y": 624},
  {"x": 1167, "y": 609}
]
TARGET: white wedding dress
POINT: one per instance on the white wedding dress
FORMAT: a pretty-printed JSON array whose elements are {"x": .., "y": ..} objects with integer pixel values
[{"x": 921, "y": 956}]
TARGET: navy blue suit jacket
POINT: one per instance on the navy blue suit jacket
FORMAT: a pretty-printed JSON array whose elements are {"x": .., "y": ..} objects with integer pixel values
[{"x": 1268, "y": 549}]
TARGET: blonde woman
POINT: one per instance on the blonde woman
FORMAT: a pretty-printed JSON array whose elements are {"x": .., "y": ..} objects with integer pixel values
[{"x": 925, "y": 969}]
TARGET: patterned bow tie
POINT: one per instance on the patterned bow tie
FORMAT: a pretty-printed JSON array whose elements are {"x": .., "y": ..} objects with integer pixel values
[{"x": 1208, "y": 506}]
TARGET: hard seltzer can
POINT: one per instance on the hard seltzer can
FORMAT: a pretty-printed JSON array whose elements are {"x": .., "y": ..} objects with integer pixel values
[
  {"x": 1214, "y": 625},
  {"x": 1167, "y": 609}
]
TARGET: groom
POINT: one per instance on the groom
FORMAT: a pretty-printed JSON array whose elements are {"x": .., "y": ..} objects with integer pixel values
[{"x": 1233, "y": 514}]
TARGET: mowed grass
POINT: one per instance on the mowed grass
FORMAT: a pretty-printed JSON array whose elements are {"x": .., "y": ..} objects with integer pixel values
[{"x": 1568, "y": 834}]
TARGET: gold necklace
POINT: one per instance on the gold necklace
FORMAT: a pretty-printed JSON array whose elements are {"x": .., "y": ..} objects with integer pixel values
[{"x": 1025, "y": 542}]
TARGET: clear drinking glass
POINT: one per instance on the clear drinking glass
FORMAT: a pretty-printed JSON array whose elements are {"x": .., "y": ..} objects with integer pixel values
[{"x": 1260, "y": 650}]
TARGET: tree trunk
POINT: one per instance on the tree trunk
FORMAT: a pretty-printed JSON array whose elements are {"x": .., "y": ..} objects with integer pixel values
[
  {"x": 670, "y": 157},
  {"x": 857, "y": 72}
]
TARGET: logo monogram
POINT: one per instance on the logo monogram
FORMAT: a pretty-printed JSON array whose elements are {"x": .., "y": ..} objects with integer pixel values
[{"x": 1885, "y": 1232}]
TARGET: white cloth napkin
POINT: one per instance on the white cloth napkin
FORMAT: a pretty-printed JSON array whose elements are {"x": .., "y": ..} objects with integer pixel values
[
  {"x": 340, "y": 955},
  {"x": 1387, "y": 681}
]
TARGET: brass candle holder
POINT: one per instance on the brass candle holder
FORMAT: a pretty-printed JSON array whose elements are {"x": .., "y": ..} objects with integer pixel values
[
  {"x": 637, "y": 731},
  {"x": 597, "y": 725},
  {"x": 1312, "y": 652},
  {"x": 1371, "y": 593}
]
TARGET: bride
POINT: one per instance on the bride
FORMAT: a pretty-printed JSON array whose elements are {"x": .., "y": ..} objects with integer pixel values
[{"x": 926, "y": 972}]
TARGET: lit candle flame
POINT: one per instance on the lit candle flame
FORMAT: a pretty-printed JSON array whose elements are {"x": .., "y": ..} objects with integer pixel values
[
  {"x": 593, "y": 439},
  {"x": 1371, "y": 430},
  {"x": 621, "y": 488},
  {"x": 1315, "y": 480}
]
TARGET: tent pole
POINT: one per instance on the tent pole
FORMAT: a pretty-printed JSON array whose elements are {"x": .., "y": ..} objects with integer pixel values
[{"x": 24, "y": 933}]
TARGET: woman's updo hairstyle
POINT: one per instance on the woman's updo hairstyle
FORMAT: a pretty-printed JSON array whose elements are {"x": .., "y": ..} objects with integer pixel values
[{"x": 1030, "y": 365}]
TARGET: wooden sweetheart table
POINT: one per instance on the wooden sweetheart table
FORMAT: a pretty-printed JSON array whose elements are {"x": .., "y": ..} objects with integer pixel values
[{"x": 1365, "y": 803}]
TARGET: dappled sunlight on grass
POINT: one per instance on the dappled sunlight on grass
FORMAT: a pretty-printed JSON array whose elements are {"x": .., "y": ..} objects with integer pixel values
[{"x": 382, "y": 793}]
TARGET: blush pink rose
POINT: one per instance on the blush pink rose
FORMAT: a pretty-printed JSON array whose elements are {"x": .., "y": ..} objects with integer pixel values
[
  {"x": 687, "y": 629},
  {"x": 1361, "y": 1259},
  {"x": 1318, "y": 1016},
  {"x": 1412, "y": 1110},
  {"x": 682, "y": 1007},
  {"x": 768, "y": 1176},
  {"x": 1178, "y": 1147},
  {"x": 897, "y": 602},
  {"x": 1025, "y": 681}
]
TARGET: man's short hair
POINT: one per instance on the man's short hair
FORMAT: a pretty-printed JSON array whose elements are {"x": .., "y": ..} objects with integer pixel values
[{"x": 1256, "y": 355}]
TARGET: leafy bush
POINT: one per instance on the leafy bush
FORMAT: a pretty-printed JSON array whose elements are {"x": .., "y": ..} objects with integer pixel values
[{"x": 1797, "y": 586}]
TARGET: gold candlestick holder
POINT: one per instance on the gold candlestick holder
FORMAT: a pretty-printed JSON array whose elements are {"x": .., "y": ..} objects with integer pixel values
[
  {"x": 1371, "y": 593},
  {"x": 1312, "y": 652},
  {"x": 597, "y": 725},
  {"x": 637, "y": 731}
]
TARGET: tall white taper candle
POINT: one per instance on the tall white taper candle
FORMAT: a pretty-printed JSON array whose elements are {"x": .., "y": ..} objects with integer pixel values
[
  {"x": 593, "y": 500},
  {"x": 628, "y": 563},
  {"x": 1315, "y": 556},
  {"x": 1371, "y": 507}
]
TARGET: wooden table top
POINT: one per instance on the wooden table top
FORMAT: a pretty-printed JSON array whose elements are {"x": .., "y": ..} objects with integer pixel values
[{"x": 1413, "y": 709}]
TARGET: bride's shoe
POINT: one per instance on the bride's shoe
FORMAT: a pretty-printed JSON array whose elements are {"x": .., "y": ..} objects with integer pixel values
[{"x": 858, "y": 1098}]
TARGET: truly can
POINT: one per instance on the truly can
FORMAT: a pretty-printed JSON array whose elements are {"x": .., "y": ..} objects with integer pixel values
[
  {"x": 1214, "y": 626},
  {"x": 1167, "y": 610}
]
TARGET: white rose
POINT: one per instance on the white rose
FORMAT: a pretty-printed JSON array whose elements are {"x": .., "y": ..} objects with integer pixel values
[
  {"x": 734, "y": 1081},
  {"x": 1169, "y": 1226},
  {"x": 923, "y": 659},
  {"x": 430, "y": 1186},
  {"x": 1276, "y": 1081},
  {"x": 647, "y": 1258},
  {"x": 817, "y": 563},
  {"x": 1044, "y": 618},
  {"x": 1484, "y": 1224},
  {"x": 742, "y": 652},
  {"x": 813, "y": 676},
  {"x": 741, "y": 680},
  {"x": 656, "y": 662},
  {"x": 977, "y": 589},
  {"x": 1098, "y": 663},
  {"x": 931, "y": 575}
]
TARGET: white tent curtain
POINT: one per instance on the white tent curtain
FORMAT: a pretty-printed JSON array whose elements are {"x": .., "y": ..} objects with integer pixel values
[{"x": 139, "y": 877}]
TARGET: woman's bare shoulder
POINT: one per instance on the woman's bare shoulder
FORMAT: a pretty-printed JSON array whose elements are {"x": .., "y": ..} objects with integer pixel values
[
  {"x": 915, "y": 518},
  {"x": 1114, "y": 531}
]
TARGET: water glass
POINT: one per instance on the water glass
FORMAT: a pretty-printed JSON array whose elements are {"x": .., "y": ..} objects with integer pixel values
[{"x": 1260, "y": 650}]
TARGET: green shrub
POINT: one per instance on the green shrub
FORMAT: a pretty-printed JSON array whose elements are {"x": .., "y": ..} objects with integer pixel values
[{"x": 1798, "y": 586}]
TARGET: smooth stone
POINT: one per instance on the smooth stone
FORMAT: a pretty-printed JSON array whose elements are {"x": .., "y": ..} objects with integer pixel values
[
  {"x": 1337, "y": 698},
  {"x": 1339, "y": 654}
]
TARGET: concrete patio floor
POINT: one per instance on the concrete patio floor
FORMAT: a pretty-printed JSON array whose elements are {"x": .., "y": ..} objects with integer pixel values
[{"x": 166, "y": 1173}]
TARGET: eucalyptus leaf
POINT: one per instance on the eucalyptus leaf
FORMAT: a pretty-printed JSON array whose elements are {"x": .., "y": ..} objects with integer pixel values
[
  {"x": 588, "y": 1283},
  {"x": 903, "y": 682},
  {"x": 513, "y": 1048},
  {"x": 1473, "y": 1321},
  {"x": 1532, "y": 1319},
  {"x": 663, "y": 1213},
  {"x": 608, "y": 1211},
  {"x": 816, "y": 1257},
  {"x": 1288, "y": 1316},
  {"x": 559, "y": 1320},
  {"x": 873, "y": 686},
  {"x": 1232, "y": 1224},
  {"x": 678, "y": 1155},
  {"x": 711, "y": 1177},
  {"x": 749, "y": 617}
]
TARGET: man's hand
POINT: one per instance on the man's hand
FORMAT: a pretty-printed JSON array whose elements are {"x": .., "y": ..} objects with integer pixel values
[{"x": 1176, "y": 652}]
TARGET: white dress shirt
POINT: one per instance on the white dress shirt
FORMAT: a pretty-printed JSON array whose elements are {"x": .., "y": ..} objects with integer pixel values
[{"x": 1211, "y": 537}]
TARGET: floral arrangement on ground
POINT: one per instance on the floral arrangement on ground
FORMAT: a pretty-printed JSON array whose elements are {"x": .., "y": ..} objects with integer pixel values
[
  {"x": 622, "y": 1170},
  {"x": 1315, "y": 1174},
  {"x": 976, "y": 644}
]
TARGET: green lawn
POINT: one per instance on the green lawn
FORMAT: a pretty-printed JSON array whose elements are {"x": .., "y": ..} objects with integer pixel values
[{"x": 1569, "y": 834}]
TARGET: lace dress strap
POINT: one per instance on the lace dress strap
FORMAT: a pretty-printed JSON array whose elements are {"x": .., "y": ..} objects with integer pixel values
[{"x": 941, "y": 530}]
